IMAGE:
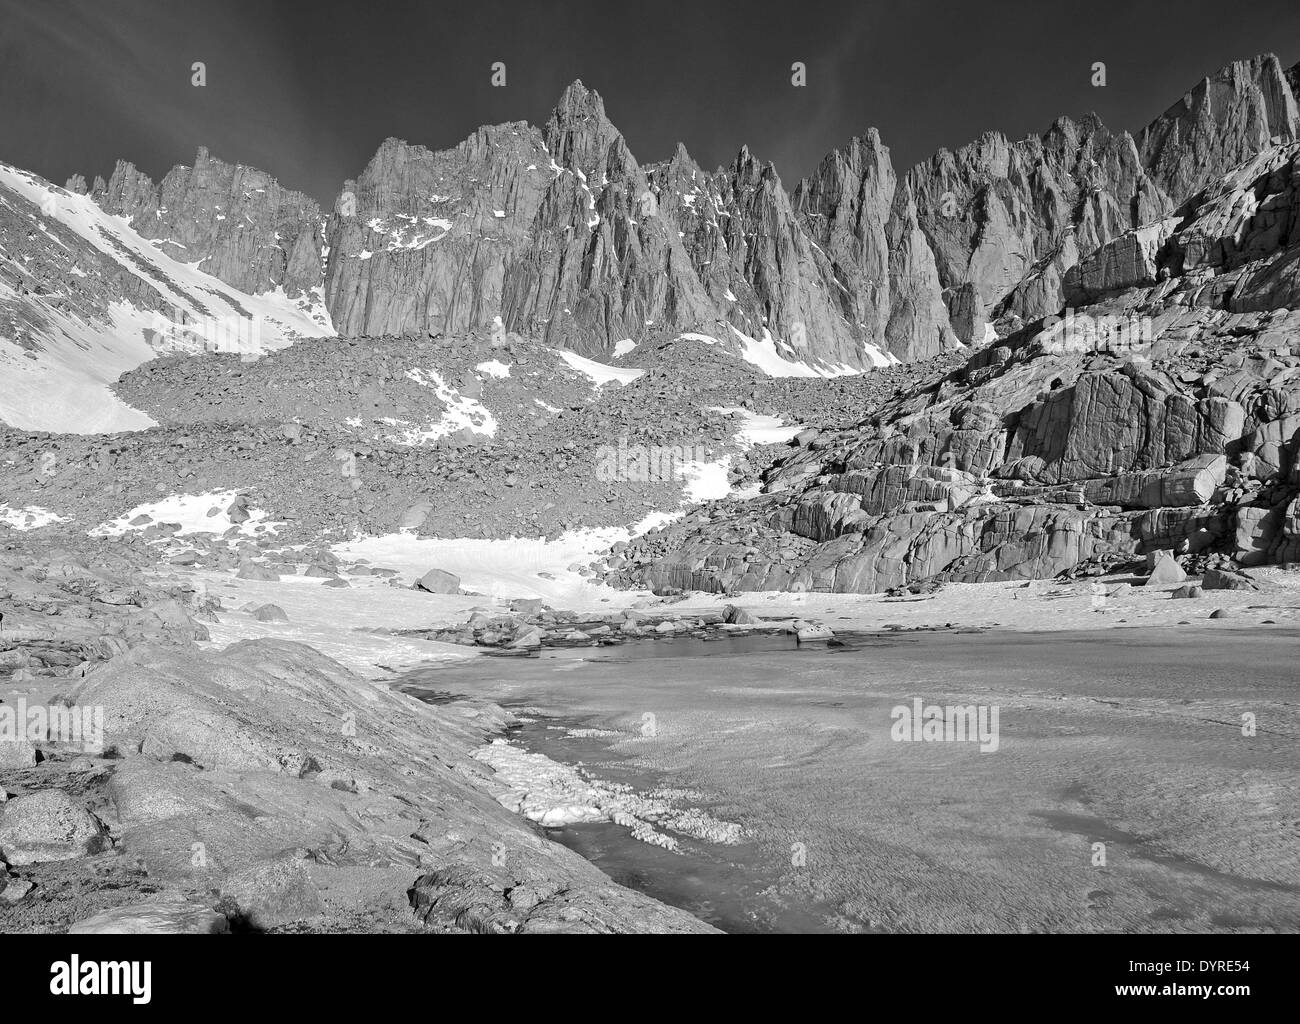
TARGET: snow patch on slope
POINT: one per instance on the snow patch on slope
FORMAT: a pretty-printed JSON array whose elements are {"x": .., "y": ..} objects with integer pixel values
[
  {"x": 190, "y": 511},
  {"x": 463, "y": 413},
  {"x": 30, "y": 518},
  {"x": 765, "y": 353},
  {"x": 600, "y": 373},
  {"x": 64, "y": 387}
]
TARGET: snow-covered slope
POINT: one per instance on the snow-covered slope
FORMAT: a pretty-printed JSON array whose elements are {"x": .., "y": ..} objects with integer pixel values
[{"x": 84, "y": 297}]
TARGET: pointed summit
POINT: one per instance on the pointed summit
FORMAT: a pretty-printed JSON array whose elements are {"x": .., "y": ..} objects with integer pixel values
[
  {"x": 578, "y": 134},
  {"x": 577, "y": 99}
]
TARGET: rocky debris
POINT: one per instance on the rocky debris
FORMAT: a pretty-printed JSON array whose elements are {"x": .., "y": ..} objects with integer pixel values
[
  {"x": 1189, "y": 590},
  {"x": 499, "y": 902},
  {"x": 530, "y": 630},
  {"x": 15, "y": 889},
  {"x": 72, "y": 602},
  {"x": 164, "y": 915},
  {"x": 48, "y": 825},
  {"x": 1219, "y": 613}
]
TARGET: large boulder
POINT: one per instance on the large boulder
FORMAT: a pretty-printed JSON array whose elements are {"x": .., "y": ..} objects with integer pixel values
[
  {"x": 210, "y": 739},
  {"x": 1226, "y": 579},
  {"x": 249, "y": 570},
  {"x": 436, "y": 581},
  {"x": 1257, "y": 528},
  {"x": 47, "y": 826},
  {"x": 163, "y": 915},
  {"x": 16, "y": 754},
  {"x": 277, "y": 893},
  {"x": 415, "y": 516},
  {"x": 1192, "y": 482},
  {"x": 1165, "y": 570},
  {"x": 270, "y": 613}
]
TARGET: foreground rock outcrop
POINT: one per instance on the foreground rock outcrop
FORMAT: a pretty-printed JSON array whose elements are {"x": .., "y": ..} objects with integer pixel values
[{"x": 267, "y": 788}]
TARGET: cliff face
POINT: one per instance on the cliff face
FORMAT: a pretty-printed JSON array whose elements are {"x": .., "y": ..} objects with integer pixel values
[
  {"x": 564, "y": 236},
  {"x": 236, "y": 222},
  {"x": 1225, "y": 119},
  {"x": 1163, "y": 414}
]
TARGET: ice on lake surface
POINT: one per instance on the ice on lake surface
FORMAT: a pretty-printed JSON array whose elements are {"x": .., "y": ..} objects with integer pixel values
[{"x": 1124, "y": 793}]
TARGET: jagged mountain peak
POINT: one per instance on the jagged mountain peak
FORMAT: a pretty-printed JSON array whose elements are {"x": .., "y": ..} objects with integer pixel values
[
  {"x": 549, "y": 228},
  {"x": 580, "y": 136},
  {"x": 576, "y": 97},
  {"x": 1227, "y": 116}
]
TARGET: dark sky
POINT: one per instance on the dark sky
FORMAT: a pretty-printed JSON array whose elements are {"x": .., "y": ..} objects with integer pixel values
[{"x": 307, "y": 90}]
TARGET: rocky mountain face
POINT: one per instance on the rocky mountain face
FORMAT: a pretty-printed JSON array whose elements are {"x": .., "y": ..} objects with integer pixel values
[
  {"x": 564, "y": 236},
  {"x": 1161, "y": 416},
  {"x": 84, "y": 297},
  {"x": 1223, "y": 121},
  {"x": 237, "y": 222}
]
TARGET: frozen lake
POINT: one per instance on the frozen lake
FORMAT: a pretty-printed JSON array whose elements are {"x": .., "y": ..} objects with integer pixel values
[{"x": 1124, "y": 793}]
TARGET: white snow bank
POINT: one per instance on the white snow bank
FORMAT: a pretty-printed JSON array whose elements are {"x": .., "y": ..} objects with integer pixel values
[
  {"x": 30, "y": 518},
  {"x": 600, "y": 373},
  {"x": 64, "y": 387},
  {"x": 505, "y": 568},
  {"x": 191, "y": 512},
  {"x": 351, "y": 625},
  {"x": 758, "y": 429},
  {"x": 706, "y": 481}
]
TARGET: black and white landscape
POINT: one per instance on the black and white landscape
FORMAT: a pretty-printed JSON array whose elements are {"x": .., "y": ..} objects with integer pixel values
[{"x": 529, "y": 533}]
